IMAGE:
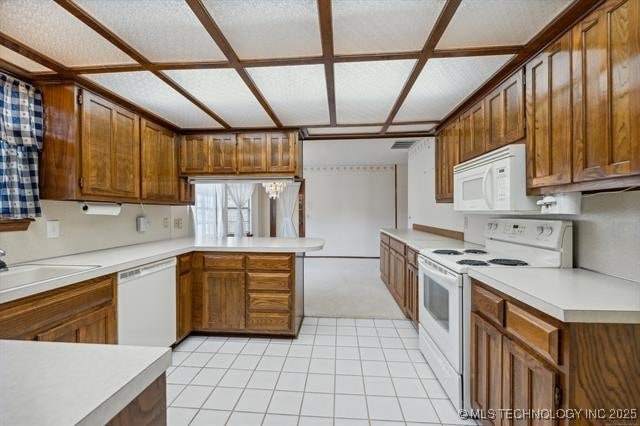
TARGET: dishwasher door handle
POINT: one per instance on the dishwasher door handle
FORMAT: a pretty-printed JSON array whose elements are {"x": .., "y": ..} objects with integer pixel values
[{"x": 150, "y": 268}]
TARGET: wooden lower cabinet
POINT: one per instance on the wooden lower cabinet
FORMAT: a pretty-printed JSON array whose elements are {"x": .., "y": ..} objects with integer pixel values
[
  {"x": 399, "y": 272},
  {"x": 82, "y": 313},
  {"x": 527, "y": 383},
  {"x": 486, "y": 366},
  {"x": 183, "y": 296},
  {"x": 94, "y": 327},
  {"x": 149, "y": 408},
  {"x": 523, "y": 359},
  {"x": 223, "y": 300},
  {"x": 384, "y": 262},
  {"x": 258, "y": 293},
  {"x": 411, "y": 292}
]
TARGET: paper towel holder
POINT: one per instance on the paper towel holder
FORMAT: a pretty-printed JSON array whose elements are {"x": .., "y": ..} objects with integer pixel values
[{"x": 107, "y": 209}]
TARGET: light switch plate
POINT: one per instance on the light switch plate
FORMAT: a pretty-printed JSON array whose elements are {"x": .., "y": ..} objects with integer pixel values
[{"x": 53, "y": 229}]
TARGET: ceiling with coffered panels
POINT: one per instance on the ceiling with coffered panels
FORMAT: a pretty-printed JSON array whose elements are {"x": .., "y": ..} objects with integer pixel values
[{"x": 329, "y": 67}]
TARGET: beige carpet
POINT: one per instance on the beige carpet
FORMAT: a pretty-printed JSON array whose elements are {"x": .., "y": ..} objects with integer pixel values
[{"x": 346, "y": 288}]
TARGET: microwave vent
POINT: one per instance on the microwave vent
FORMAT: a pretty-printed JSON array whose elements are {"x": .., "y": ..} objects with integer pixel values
[{"x": 402, "y": 144}]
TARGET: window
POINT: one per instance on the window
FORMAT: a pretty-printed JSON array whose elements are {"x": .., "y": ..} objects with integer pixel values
[
  {"x": 215, "y": 213},
  {"x": 232, "y": 216}
]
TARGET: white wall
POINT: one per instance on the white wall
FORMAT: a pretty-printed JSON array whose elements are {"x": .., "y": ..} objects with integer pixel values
[
  {"x": 607, "y": 234},
  {"x": 347, "y": 206},
  {"x": 80, "y": 232},
  {"x": 351, "y": 193},
  {"x": 422, "y": 206}
]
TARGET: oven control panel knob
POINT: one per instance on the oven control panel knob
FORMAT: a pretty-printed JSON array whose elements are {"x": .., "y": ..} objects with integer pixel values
[{"x": 539, "y": 229}]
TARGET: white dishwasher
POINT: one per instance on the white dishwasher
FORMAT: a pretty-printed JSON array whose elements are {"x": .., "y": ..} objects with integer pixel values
[{"x": 147, "y": 304}]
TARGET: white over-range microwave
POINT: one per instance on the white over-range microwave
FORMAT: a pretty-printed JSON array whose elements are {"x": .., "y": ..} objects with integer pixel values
[{"x": 494, "y": 182}]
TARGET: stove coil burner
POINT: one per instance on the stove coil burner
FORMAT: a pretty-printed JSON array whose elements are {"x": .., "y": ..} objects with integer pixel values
[
  {"x": 475, "y": 251},
  {"x": 450, "y": 252},
  {"x": 508, "y": 262},
  {"x": 472, "y": 262}
]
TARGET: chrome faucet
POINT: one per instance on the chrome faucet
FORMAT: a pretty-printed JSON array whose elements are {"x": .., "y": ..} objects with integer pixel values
[{"x": 3, "y": 266}]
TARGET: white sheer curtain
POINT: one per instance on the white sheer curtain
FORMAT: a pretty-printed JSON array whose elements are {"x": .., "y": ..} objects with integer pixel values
[
  {"x": 211, "y": 210},
  {"x": 240, "y": 194},
  {"x": 286, "y": 205}
]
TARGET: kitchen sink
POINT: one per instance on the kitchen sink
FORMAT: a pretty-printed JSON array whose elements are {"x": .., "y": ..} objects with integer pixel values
[{"x": 24, "y": 274}]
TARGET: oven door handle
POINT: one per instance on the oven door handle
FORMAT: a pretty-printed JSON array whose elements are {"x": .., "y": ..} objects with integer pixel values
[{"x": 448, "y": 279}]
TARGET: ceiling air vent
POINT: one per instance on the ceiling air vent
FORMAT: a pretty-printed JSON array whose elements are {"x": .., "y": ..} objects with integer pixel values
[{"x": 402, "y": 144}]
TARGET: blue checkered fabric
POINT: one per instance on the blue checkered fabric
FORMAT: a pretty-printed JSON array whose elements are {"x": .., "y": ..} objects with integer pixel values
[{"x": 21, "y": 132}]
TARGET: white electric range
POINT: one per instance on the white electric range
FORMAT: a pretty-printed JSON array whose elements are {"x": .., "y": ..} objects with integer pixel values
[{"x": 445, "y": 290}]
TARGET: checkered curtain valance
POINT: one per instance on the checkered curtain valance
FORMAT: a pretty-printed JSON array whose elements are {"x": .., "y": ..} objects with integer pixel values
[{"x": 21, "y": 132}]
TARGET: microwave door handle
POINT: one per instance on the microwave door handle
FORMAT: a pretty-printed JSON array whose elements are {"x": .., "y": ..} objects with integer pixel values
[{"x": 485, "y": 195}]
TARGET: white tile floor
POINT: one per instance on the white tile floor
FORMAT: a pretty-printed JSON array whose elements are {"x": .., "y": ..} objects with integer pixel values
[{"x": 339, "y": 371}]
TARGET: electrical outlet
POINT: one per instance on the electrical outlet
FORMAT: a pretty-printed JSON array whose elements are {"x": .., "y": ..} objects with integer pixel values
[
  {"x": 165, "y": 222},
  {"x": 177, "y": 223},
  {"x": 53, "y": 229}
]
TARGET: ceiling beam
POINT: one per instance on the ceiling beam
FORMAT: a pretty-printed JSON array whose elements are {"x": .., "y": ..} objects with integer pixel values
[
  {"x": 63, "y": 73},
  {"x": 24, "y": 50},
  {"x": 300, "y": 60},
  {"x": 326, "y": 36},
  {"x": 216, "y": 34},
  {"x": 438, "y": 29},
  {"x": 397, "y": 123},
  {"x": 477, "y": 51},
  {"x": 15, "y": 70},
  {"x": 558, "y": 26},
  {"x": 369, "y": 136},
  {"x": 71, "y": 7}
]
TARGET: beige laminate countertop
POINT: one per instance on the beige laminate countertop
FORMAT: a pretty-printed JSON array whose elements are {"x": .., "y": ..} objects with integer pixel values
[
  {"x": 569, "y": 295},
  {"x": 117, "y": 259},
  {"x": 418, "y": 240},
  {"x": 49, "y": 383}
]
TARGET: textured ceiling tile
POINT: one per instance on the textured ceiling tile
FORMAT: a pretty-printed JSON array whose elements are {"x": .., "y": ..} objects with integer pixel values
[
  {"x": 226, "y": 94},
  {"x": 268, "y": 29},
  {"x": 21, "y": 61},
  {"x": 366, "y": 91},
  {"x": 444, "y": 83},
  {"x": 380, "y": 26},
  {"x": 499, "y": 22},
  {"x": 298, "y": 94},
  {"x": 148, "y": 91},
  {"x": 162, "y": 30},
  {"x": 54, "y": 32},
  {"x": 410, "y": 127}
]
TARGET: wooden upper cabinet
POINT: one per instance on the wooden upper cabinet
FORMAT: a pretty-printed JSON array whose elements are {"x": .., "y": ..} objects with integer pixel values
[
  {"x": 223, "y": 154},
  {"x": 447, "y": 156},
  {"x": 606, "y": 92},
  {"x": 505, "y": 112},
  {"x": 549, "y": 115},
  {"x": 252, "y": 152},
  {"x": 195, "y": 154},
  {"x": 110, "y": 147},
  {"x": 472, "y": 132},
  {"x": 281, "y": 152},
  {"x": 216, "y": 154},
  {"x": 186, "y": 192},
  {"x": 159, "y": 163}
]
